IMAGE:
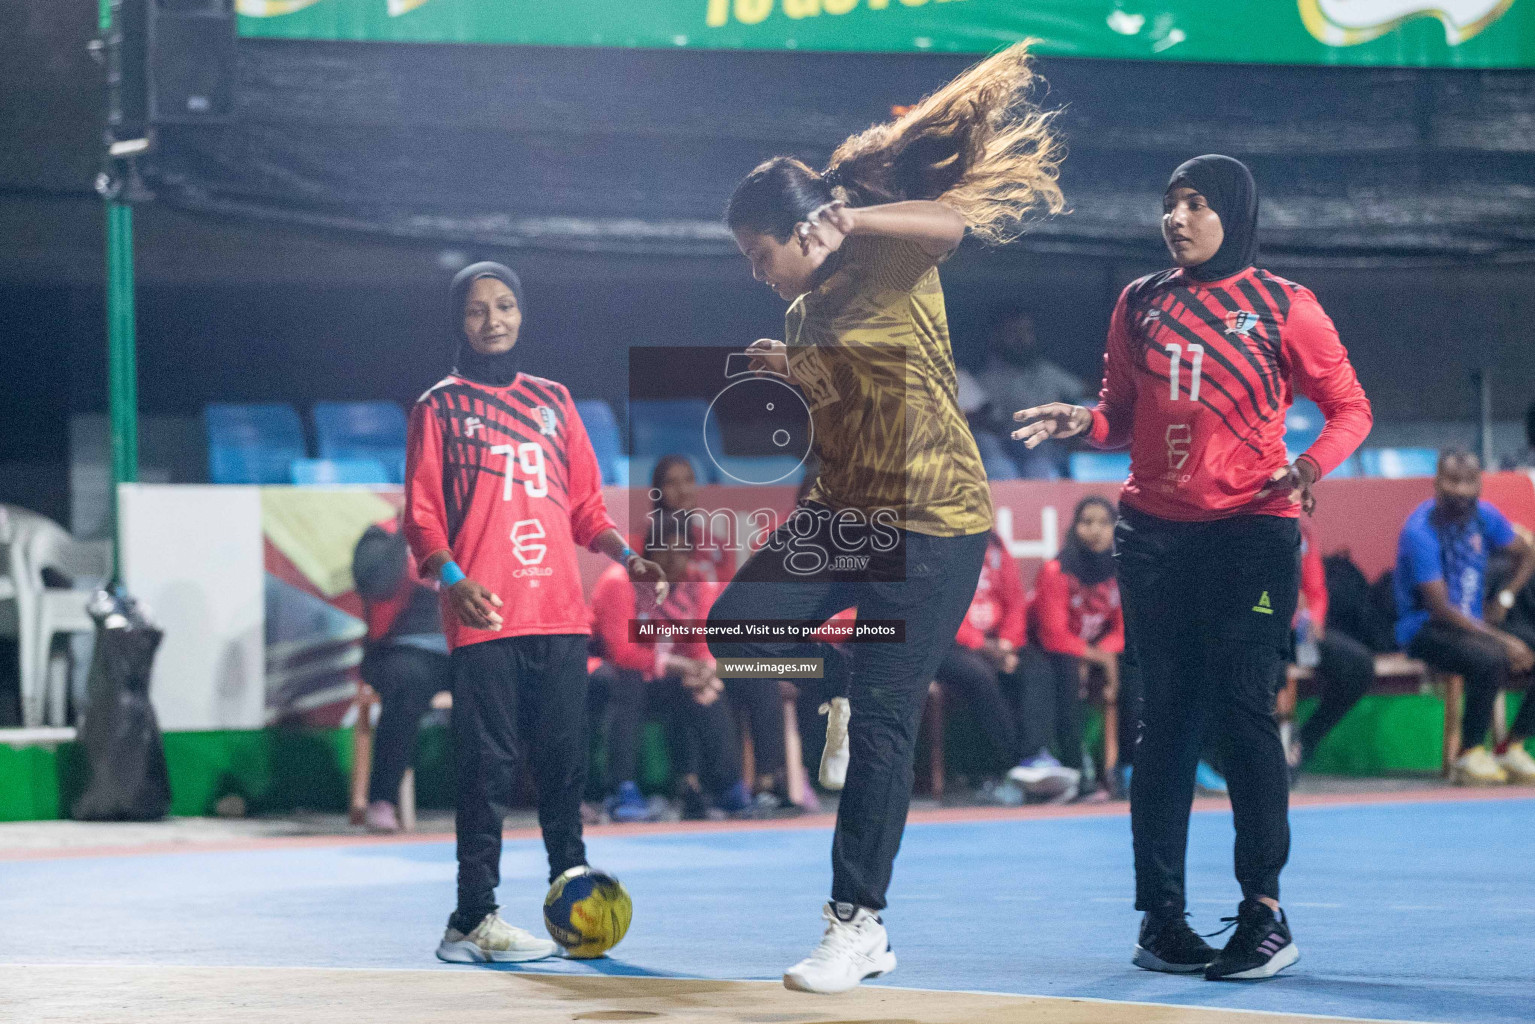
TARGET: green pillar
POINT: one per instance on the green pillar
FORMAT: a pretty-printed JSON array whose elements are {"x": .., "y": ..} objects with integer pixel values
[{"x": 122, "y": 363}]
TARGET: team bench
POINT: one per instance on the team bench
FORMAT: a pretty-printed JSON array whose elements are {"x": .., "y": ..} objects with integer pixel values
[{"x": 1397, "y": 674}]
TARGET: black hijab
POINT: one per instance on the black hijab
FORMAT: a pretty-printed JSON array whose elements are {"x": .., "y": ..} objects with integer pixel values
[
  {"x": 1233, "y": 195},
  {"x": 1077, "y": 559},
  {"x": 496, "y": 370}
]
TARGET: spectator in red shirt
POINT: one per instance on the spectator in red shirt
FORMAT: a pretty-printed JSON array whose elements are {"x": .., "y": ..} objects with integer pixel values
[
  {"x": 501, "y": 484},
  {"x": 677, "y": 677},
  {"x": 983, "y": 662},
  {"x": 1076, "y": 621}
]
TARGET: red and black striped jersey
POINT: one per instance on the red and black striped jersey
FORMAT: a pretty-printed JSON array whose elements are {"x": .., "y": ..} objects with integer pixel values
[
  {"x": 505, "y": 478},
  {"x": 1197, "y": 379}
]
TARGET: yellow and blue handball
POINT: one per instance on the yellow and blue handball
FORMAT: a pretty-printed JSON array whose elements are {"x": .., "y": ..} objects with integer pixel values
[{"x": 587, "y": 912}]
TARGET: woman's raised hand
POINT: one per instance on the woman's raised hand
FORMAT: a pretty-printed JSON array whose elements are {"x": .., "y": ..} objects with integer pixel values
[
  {"x": 769, "y": 355},
  {"x": 827, "y": 226},
  {"x": 1055, "y": 419}
]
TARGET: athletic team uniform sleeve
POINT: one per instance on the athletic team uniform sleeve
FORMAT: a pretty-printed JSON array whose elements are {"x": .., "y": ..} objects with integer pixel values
[
  {"x": 589, "y": 517},
  {"x": 1115, "y": 412},
  {"x": 1052, "y": 607},
  {"x": 1015, "y": 603},
  {"x": 426, "y": 521},
  {"x": 1320, "y": 368},
  {"x": 613, "y": 605},
  {"x": 1313, "y": 584}
]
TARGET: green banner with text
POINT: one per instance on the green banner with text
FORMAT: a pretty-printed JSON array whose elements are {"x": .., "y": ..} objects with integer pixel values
[{"x": 1410, "y": 33}]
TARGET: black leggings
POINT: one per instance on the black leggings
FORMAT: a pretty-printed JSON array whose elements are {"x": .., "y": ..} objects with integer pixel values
[
  {"x": 1482, "y": 663},
  {"x": 406, "y": 679},
  {"x": 1208, "y": 608},
  {"x": 1051, "y": 713},
  {"x": 517, "y": 697}
]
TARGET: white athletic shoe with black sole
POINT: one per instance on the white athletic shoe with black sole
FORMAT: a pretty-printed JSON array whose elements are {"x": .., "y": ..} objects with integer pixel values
[
  {"x": 835, "y": 754},
  {"x": 1261, "y": 947},
  {"x": 853, "y": 948},
  {"x": 493, "y": 941}
]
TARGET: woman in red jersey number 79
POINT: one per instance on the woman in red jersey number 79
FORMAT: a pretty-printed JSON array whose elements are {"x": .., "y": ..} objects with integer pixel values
[
  {"x": 1202, "y": 362},
  {"x": 501, "y": 484}
]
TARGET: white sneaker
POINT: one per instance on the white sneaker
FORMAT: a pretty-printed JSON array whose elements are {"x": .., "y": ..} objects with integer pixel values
[
  {"x": 1476, "y": 767},
  {"x": 493, "y": 941},
  {"x": 834, "y": 755},
  {"x": 850, "y": 951},
  {"x": 1519, "y": 765}
]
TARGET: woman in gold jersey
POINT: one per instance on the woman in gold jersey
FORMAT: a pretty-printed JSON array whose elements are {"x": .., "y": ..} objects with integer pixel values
[{"x": 896, "y": 522}]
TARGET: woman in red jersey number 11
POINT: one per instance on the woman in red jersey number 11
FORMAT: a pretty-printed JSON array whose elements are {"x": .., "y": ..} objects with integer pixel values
[
  {"x": 501, "y": 484},
  {"x": 1201, "y": 365}
]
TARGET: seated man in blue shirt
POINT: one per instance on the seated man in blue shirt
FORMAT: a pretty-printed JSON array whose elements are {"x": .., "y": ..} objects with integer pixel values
[{"x": 1441, "y": 571}]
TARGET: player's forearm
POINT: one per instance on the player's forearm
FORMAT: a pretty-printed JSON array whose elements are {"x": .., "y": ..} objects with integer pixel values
[
  {"x": 610, "y": 543},
  {"x": 937, "y": 228}
]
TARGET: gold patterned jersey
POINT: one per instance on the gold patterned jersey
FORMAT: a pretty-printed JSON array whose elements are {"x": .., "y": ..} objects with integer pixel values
[{"x": 870, "y": 350}]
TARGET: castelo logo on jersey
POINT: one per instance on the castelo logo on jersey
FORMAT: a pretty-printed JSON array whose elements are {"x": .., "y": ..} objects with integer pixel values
[
  {"x": 546, "y": 420},
  {"x": 1351, "y": 22}
]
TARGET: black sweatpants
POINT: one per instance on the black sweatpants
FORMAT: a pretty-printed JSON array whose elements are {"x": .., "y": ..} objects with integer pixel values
[
  {"x": 1483, "y": 664},
  {"x": 926, "y": 582},
  {"x": 514, "y": 697},
  {"x": 1050, "y": 715},
  {"x": 1208, "y": 609},
  {"x": 405, "y": 679},
  {"x": 1346, "y": 670},
  {"x": 992, "y": 696}
]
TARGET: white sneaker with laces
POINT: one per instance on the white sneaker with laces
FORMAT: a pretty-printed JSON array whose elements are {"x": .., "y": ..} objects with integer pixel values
[
  {"x": 853, "y": 948},
  {"x": 493, "y": 941},
  {"x": 834, "y": 756},
  {"x": 1476, "y": 767},
  {"x": 1519, "y": 765}
]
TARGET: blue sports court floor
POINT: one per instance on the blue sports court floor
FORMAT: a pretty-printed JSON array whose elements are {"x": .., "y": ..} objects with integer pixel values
[{"x": 1419, "y": 910}]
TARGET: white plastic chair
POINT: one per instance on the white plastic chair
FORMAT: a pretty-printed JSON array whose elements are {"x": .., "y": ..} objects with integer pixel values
[{"x": 33, "y": 543}]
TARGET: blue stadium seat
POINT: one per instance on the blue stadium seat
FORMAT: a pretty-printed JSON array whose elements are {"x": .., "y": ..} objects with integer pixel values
[
  {"x": 1100, "y": 467},
  {"x": 362, "y": 430},
  {"x": 999, "y": 465},
  {"x": 602, "y": 428},
  {"x": 660, "y": 427},
  {"x": 252, "y": 444},
  {"x": 1396, "y": 463},
  {"x": 782, "y": 470},
  {"x": 322, "y": 472}
]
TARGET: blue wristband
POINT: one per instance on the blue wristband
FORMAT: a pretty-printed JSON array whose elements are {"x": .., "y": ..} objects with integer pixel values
[
  {"x": 450, "y": 573},
  {"x": 626, "y": 554}
]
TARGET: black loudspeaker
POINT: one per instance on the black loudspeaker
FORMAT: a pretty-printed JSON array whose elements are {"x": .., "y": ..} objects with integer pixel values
[{"x": 191, "y": 60}]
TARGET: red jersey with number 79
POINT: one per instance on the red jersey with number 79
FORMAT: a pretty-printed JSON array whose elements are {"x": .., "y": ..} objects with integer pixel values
[
  {"x": 505, "y": 478},
  {"x": 1197, "y": 379}
]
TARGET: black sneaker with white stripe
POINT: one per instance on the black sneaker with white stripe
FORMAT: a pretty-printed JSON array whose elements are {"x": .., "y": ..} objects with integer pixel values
[
  {"x": 1261, "y": 946},
  {"x": 1168, "y": 944}
]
